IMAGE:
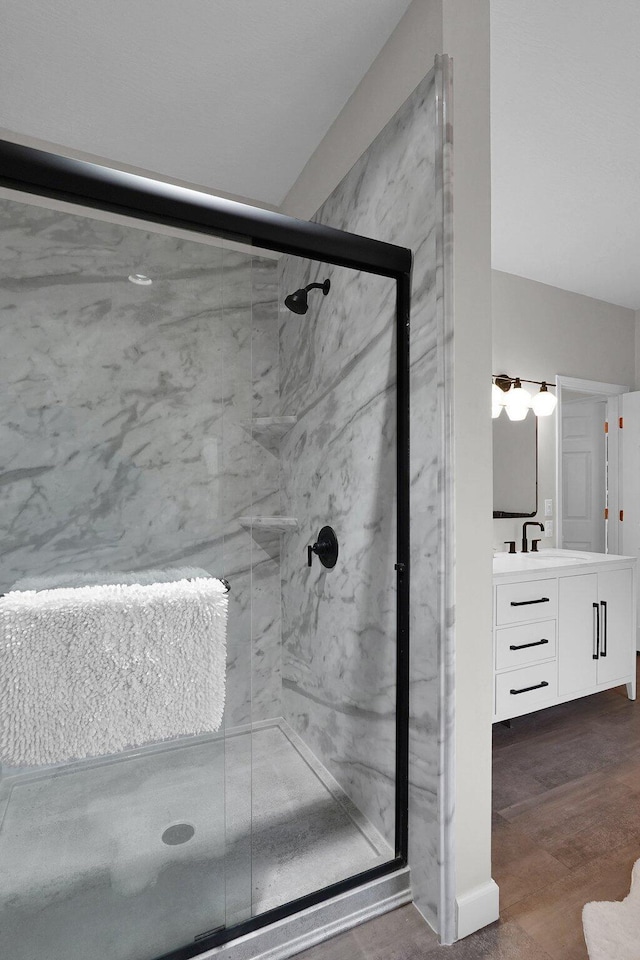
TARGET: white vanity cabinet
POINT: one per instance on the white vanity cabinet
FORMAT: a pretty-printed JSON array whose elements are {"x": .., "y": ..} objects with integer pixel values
[
  {"x": 595, "y": 622},
  {"x": 564, "y": 627}
]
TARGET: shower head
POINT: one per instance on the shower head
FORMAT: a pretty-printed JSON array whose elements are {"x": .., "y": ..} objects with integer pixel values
[{"x": 297, "y": 302}]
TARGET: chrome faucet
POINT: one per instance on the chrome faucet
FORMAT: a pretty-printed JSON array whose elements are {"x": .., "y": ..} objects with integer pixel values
[{"x": 529, "y": 523}]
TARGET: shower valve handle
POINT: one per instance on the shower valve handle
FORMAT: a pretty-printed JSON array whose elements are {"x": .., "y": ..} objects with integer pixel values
[
  {"x": 320, "y": 548},
  {"x": 325, "y": 548}
]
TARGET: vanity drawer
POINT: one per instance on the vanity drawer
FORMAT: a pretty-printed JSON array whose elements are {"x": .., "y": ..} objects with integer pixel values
[
  {"x": 530, "y": 688},
  {"x": 526, "y": 643},
  {"x": 530, "y": 600}
]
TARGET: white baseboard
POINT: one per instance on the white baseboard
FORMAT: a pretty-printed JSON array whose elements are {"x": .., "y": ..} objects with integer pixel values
[{"x": 477, "y": 908}]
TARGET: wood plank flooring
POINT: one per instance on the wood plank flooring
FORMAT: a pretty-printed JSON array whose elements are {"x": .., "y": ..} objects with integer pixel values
[
  {"x": 566, "y": 825},
  {"x": 566, "y": 830}
]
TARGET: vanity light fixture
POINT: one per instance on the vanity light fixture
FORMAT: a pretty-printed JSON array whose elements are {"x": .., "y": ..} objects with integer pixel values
[{"x": 517, "y": 401}]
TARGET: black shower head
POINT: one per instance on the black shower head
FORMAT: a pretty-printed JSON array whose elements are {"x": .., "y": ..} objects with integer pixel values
[{"x": 297, "y": 302}]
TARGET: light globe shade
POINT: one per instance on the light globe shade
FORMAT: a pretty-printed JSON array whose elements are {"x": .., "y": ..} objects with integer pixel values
[
  {"x": 517, "y": 401},
  {"x": 543, "y": 403},
  {"x": 517, "y": 412}
]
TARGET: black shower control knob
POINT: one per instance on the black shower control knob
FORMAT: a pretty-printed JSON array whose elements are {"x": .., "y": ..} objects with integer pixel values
[{"x": 325, "y": 548}]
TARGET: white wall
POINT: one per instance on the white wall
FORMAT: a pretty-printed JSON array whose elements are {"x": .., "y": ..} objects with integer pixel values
[
  {"x": 466, "y": 39},
  {"x": 540, "y": 331},
  {"x": 403, "y": 62}
]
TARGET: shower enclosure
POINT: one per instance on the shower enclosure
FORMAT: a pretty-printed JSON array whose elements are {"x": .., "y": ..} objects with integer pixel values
[{"x": 167, "y": 420}]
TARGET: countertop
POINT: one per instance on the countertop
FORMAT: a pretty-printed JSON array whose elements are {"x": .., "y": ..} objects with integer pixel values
[{"x": 552, "y": 562}]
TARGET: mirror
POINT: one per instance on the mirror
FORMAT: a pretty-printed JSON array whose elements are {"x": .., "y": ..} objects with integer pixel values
[{"x": 515, "y": 466}]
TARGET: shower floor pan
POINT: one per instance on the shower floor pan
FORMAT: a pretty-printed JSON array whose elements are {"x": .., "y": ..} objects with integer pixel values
[{"x": 134, "y": 856}]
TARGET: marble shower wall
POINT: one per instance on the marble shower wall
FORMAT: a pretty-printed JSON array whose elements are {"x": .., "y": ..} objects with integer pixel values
[
  {"x": 126, "y": 429},
  {"x": 337, "y": 376}
]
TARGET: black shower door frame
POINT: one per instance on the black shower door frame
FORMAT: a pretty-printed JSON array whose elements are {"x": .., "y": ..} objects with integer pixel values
[{"x": 84, "y": 184}]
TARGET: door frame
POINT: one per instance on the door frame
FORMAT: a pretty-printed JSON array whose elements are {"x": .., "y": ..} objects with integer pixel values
[{"x": 611, "y": 392}]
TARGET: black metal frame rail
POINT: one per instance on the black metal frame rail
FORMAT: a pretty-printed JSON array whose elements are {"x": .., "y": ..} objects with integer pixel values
[{"x": 90, "y": 185}]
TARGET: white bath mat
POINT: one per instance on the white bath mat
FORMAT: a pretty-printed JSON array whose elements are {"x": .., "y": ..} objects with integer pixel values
[
  {"x": 612, "y": 929},
  {"x": 94, "y": 670}
]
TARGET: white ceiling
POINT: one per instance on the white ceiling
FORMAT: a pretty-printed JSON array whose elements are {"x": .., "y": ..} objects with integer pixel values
[
  {"x": 234, "y": 95},
  {"x": 565, "y": 140}
]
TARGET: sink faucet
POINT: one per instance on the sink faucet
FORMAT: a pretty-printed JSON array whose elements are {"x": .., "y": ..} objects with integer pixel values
[{"x": 529, "y": 523}]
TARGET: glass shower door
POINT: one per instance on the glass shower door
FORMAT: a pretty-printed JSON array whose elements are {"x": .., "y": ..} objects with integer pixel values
[
  {"x": 324, "y": 611},
  {"x": 169, "y": 422},
  {"x": 126, "y": 383}
]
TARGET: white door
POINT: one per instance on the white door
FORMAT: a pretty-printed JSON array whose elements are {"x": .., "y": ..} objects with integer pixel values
[
  {"x": 577, "y": 623},
  {"x": 616, "y": 612},
  {"x": 630, "y": 481},
  {"x": 583, "y": 475}
]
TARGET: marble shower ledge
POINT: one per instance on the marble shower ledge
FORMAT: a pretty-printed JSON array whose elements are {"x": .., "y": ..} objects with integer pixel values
[{"x": 275, "y": 524}]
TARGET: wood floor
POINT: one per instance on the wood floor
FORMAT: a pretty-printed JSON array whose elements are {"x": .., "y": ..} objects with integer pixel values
[{"x": 566, "y": 830}]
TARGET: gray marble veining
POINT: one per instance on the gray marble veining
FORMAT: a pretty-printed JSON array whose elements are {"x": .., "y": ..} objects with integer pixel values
[{"x": 337, "y": 376}]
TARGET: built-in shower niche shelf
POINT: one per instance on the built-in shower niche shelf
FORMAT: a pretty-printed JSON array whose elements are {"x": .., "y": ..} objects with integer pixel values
[
  {"x": 266, "y": 531},
  {"x": 269, "y": 431},
  {"x": 270, "y": 524}
]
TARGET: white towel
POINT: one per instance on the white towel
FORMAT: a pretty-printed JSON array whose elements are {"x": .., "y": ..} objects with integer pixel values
[
  {"x": 51, "y": 581},
  {"x": 93, "y": 670}
]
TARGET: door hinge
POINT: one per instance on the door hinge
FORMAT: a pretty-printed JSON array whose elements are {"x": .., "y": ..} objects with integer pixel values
[
  {"x": 621, "y": 516},
  {"x": 606, "y": 426},
  {"x": 606, "y": 513},
  {"x": 621, "y": 422}
]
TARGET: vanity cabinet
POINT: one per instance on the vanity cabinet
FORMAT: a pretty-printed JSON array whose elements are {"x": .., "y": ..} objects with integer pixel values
[
  {"x": 563, "y": 636},
  {"x": 595, "y": 622}
]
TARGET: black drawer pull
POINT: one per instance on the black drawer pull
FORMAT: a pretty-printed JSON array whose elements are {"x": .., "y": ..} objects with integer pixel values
[
  {"x": 523, "y": 646},
  {"x": 526, "y": 603},
  {"x": 536, "y": 686}
]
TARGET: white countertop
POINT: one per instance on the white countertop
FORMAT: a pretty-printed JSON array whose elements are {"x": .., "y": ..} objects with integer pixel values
[{"x": 551, "y": 561}]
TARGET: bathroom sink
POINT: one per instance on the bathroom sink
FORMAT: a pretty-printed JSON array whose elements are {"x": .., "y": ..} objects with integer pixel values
[{"x": 511, "y": 562}]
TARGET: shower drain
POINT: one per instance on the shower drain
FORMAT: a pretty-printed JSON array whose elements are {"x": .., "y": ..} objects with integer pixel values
[{"x": 178, "y": 833}]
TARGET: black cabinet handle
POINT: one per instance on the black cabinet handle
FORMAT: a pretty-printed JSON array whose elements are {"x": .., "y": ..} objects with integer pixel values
[
  {"x": 596, "y": 632},
  {"x": 603, "y": 652},
  {"x": 523, "y": 646},
  {"x": 526, "y": 603},
  {"x": 536, "y": 686}
]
